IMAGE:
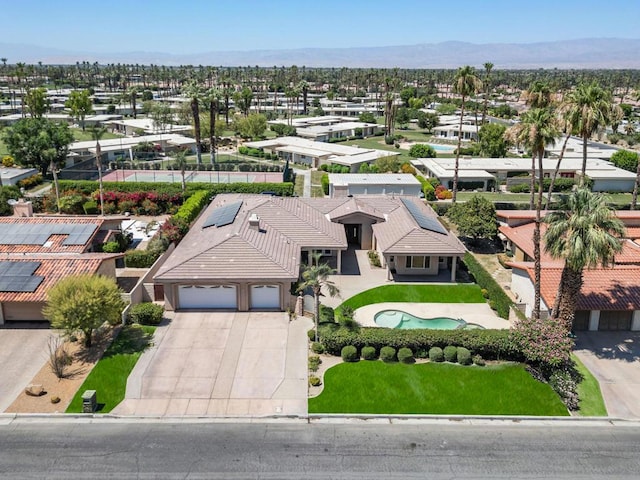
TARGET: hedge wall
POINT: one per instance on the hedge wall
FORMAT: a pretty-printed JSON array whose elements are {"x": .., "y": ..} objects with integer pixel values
[
  {"x": 490, "y": 344},
  {"x": 192, "y": 207},
  {"x": 498, "y": 300}
]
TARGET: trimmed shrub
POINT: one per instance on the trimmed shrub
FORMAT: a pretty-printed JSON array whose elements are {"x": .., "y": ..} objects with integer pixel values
[
  {"x": 491, "y": 344},
  {"x": 316, "y": 347},
  {"x": 450, "y": 354},
  {"x": 388, "y": 354},
  {"x": 499, "y": 301},
  {"x": 479, "y": 361},
  {"x": 405, "y": 355},
  {"x": 314, "y": 363},
  {"x": 111, "y": 247},
  {"x": 369, "y": 353},
  {"x": 141, "y": 258},
  {"x": 349, "y": 353},
  {"x": 314, "y": 381},
  {"x": 192, "y": 207},
  {"x": 464, "y": 356},
  {"x": 146, "y": 313},
  {"x": 311, "y": 334},
  {"x": 324, "y": 180},
  {"x": 436, "y": 354},
  {"x": 374, "y": 258}
]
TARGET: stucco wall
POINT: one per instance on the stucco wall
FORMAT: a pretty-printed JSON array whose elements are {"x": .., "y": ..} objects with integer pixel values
[{"x": 522, "y": 288}]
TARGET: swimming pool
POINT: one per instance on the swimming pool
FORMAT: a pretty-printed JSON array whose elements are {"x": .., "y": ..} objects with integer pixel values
[
  {"x": 405, "y": 321},
  {"x": 442, "y": 148}
]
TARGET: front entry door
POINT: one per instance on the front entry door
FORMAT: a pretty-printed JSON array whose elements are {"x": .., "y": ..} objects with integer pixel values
[{"x": 352, "y": 231}]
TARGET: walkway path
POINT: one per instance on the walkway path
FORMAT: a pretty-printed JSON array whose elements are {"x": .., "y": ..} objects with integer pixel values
[{"x": 306, "y": 173}]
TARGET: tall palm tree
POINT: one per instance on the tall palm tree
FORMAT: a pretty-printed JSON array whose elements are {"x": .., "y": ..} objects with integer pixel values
[
  {"x": 97, "y": 134},
  {"x": 465, "y": 84},
  {"x": 589, "y": 108},
  {"x": 194, "y": 93},
  {"x": 538, "y": 95},
  {"x": 536, "y": 130},
  {"x": 316, "y": 277},
  {"x": 181, "y": 164},
  {"x": 213, "y": 96},
  {"x": 488, "y": 66},
  {"x": 585, "y": 233}
]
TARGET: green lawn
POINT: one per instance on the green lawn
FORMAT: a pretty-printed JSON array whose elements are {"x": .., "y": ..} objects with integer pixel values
[
  {"x": 591, "y": 402},
  {"x": 496, "y": 197},
  {"x": 109, "y": 377},
  {"x": 81, "y": 136},
  {"x": 417, "y": 293},
  {"x": 3, "y": 147},
  {"x": 298, "y": 188},
  {"x": 428, "y": 388}
]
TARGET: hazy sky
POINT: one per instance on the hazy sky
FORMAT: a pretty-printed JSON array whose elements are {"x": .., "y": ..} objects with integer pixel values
[{"x": 193, "y": 26}]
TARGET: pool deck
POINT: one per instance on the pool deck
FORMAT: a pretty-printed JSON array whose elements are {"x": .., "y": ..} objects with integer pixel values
[{"x": 478, "y": 313}]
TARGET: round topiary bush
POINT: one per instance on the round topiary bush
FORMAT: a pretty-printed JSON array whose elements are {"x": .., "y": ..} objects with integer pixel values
[
  {"x": 146, "y": 313},
  {"x": 349, "y": 353},
  {"x": 388, "y": 354},
  {"x": 311, "y": 334},
  {"x": 464, "y": 356},
  {"x": 405, "y": 355},
  {"x": 369, "y": 353},
  {"x": 436, "y": 354},
  {"x": 317, "y": 347},
  {"x": 314, "y": 381},
  {"x": 479, "y": 361},
  {"x": 450, "y": 354}
]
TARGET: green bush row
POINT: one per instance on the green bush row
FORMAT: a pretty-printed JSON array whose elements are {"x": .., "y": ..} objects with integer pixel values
[
  {"x": 192, "y": 207},
  {"x": 490, "y": 344},
  {"x": 141, "y": 258},
  {"x": 325, "y": 183},
  {"x": 498, "y": 300},
  {"x": 146, "y": 313}
]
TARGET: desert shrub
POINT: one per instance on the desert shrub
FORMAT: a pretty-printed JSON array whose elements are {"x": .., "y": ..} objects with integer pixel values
[
  {"x": 464, "y": 356},
  {"x": 146, "y": 313},
  {"x": 349, "y": 353},
  {"x": 479, "y": 361},
  {"x": 311, "y": 334},
  {"x": 325, "y": 184},
  {"x": 141, "y": 258},
  {"x": 111, "y": 247},
  {"x": 436, "y": 354},
  {"x": 374, "y": 258},
  {"x": 327, "y": 314},
  {"x": 90, "y": 207},
  {"x": 388, "y": 354},
  {"x": 564, "y": 384},
  {"x": 314, "y": 363},
  {"x": 405, "y": 355},
  {"x": 450, "y": 354},
  {"x": 316, "y": 347},
  {"x": 369, "y": 353},
  {"x": 314, "y": 381}
]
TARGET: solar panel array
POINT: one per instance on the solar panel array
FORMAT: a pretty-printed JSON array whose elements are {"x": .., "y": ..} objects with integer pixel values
[
  {"x": 224, "y": 215},
  {"x": 19, "y": 277},
  {"x": 39, "y": 233},
  {"x": 422, "y": 219}
]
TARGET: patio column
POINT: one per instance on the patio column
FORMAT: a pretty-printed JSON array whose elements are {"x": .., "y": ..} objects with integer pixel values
[
  {"x": 453, "y": 269},
  {"x": 339, "y": 267}
]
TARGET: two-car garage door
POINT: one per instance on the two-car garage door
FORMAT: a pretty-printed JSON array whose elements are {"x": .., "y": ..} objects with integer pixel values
[{"x": 206, "y": 297}]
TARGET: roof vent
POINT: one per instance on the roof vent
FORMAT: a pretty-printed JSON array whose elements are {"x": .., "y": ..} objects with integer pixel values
[{"x": 254, "y": 222}]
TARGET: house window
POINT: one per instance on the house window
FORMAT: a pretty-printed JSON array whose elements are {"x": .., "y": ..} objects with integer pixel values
[{"x": 418, "y": 261}]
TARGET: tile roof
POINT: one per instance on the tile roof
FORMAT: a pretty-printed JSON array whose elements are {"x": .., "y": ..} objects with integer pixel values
[
  {"x": 53, "y": 268},
  {"x": 615, "y": 288}
]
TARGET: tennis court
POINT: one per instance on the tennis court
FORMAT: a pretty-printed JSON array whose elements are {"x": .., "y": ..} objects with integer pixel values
[{"x": 170, "y": 176}]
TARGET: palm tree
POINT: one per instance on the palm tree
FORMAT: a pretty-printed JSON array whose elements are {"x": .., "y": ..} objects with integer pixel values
[
  {"x": 97, "y": 134},
  {"x": 194, "y": 92},
  {"x": 213, "y": 97},
  {"x": 589, "y": 108},
  {"x": 488, "y": 66},
  {"x": 466, "y": 83},
  {"x": 585, "y": 233},
  {"x": 181, "y": 163},
  {"x": 538, "y": 95},
  {"x": 536, "y": 130},
  {"x": 316, "y": 277}
]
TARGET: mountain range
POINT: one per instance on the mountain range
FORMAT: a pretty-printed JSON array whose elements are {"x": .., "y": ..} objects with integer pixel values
[{"x": 587, "y": 53}]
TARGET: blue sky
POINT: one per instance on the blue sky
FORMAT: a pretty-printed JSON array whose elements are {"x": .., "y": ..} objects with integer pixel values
[{"x": 193, "y": 26}]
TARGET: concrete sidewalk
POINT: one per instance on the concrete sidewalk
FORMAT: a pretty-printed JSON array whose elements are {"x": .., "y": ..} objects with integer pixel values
[{"x": 222, "y": 364}]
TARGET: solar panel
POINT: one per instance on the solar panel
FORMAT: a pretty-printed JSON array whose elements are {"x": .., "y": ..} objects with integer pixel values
[
  {"x": 11, "y": 268},
  {"x": 38, "y": 234},
  {"x": 224, "y": 215},
  {"x": 422, "y": 219},
  {"x": 20, "y": 283}
]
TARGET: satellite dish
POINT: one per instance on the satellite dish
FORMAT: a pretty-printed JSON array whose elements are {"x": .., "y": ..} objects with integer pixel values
[{"x": 12, "y": 202}]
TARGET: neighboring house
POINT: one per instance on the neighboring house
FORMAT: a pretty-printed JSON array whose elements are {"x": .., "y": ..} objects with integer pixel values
[
  {"x": 133, "y": 126},
  {"x": 469, "y": 132},
  {"x": 315, "y": 154},
  {"x": 610, "y": 297},
  {"x": 11, "y": 175},
  {"x": 244, "y": 252},
  {"x": 325, "y": 133},
  {"x": 37, "y": 252},
  {"x": 348, "y": 184}
]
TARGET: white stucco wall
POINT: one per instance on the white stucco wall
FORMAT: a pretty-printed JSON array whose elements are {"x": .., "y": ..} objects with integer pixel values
[{"x": 522, "y": 287}]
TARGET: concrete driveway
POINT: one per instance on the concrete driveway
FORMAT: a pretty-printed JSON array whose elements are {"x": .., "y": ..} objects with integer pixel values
[
  {"x": 23, "y": 352},
  {"x": 614, "y": 359},
  {"x": 222, "y": 364}
]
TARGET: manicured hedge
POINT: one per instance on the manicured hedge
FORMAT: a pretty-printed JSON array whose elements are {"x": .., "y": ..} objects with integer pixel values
[
  {"x": 325, "y": 183},
  {"x": 146, "y": 313},
  {"x": 491, "y": 344},
  {"x": 497, "y": 298},
  {"x": 141, "y": 258},
  {"x": 192, "y": 207}
]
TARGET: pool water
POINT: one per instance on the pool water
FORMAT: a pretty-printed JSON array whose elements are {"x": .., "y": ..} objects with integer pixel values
[
  {"x": 442, "y": 148},
  {"x": 405, "y": 321}
]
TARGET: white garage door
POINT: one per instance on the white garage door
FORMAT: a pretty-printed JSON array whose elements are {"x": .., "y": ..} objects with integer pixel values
[
  {"x": 265, "y": 296},
  {"x": 207, "y": 296}
]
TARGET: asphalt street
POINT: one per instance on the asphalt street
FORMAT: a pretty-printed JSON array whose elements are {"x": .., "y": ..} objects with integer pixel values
[{"x": 37, "y": 448}]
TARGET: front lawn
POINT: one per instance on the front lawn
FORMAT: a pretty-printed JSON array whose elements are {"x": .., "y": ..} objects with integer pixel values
[
  {"x": 591, "y": 402},
  {"x": 466, "y": 293},
  {"x": 109, "y": 377},
  {"x": 429, "y": 388}
]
